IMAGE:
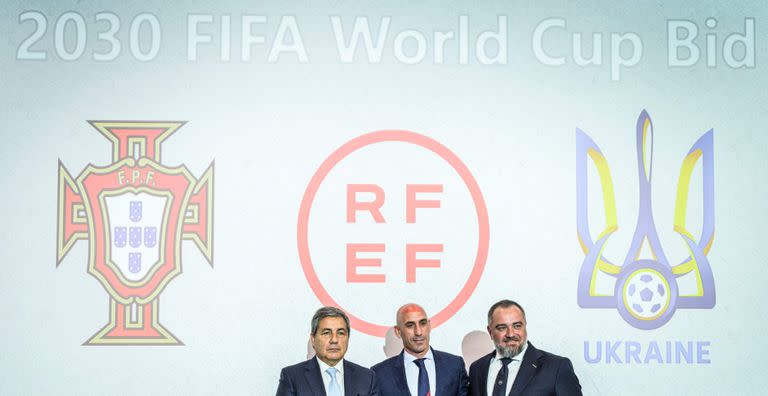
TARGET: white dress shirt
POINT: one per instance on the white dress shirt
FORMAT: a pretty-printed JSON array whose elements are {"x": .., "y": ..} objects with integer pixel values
[
  {"x": 327, "y": 378},
  {"x": 412, "y": 371},
  {"x": 513, "y": 368}
]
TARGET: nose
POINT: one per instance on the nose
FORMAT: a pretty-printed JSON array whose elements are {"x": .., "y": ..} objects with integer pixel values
[
  {"x": 510, "y": 332},
  {"x": 418, "y": 330},
  {"x": 334, "y": 338}
]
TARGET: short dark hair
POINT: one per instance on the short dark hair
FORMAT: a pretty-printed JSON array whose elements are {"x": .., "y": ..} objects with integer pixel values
[
  {"x": 503, "y": 304},
  {"x": 328, "y": 312}
]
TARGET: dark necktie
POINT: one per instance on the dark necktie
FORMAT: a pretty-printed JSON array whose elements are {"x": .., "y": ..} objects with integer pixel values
[
  {"x": 500, "y": 386},
  {"x": 423, "y": 378}
]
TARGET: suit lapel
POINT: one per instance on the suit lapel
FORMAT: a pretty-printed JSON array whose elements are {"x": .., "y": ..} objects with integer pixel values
[
  {"x": 482, "y": 372},
  {"x": 400, "y": 381},
  {"x": 352, "y": 387},
  {"x": 528, "y": 368},
  {"x": 312, "y": 375},
  {"x": 438, "y": 383}
]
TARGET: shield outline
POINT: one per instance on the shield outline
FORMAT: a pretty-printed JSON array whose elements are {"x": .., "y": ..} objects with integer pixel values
[
  {"x": 144, "y": 293},
  {"x": 108, "y": 231}
]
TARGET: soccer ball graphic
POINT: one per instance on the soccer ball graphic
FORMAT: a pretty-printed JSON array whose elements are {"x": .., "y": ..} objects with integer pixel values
[{"x": 646, "y": 294}]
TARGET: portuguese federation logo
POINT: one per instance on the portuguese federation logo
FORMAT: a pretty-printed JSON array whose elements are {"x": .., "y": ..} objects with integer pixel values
[
  {"x": 646, "y": 292},
  {"x": 134, "y": 213}
]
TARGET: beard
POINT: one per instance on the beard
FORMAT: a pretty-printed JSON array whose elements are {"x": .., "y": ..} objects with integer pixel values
[{"x": 509, "y": 351}]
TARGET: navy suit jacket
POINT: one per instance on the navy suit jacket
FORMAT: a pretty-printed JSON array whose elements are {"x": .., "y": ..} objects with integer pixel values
[
  {"x": 451, "y": 376},
  {"x": 304, "y": 379},
  {"x": 541, "y": 373}
]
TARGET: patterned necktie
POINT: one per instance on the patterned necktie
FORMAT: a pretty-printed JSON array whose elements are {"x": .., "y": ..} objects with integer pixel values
[
  {"x": 333, "y": 388},
  {"x": 423, "y": 378},
  {"x": 500, "y": 386}
]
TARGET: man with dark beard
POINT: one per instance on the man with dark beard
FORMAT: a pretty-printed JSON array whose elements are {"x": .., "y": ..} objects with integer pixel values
[{"x": 516, "y": 367}]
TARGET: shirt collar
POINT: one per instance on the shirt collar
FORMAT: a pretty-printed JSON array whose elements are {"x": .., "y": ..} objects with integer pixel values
[
  {"x": 323, "y": 366},
  {"x": 408, "y": 358}
]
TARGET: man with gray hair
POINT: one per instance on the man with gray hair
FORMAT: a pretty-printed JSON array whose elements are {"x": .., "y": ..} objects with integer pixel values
[
  {"x": 516, "y": 367},
  {"x": 328, "y": 373}
]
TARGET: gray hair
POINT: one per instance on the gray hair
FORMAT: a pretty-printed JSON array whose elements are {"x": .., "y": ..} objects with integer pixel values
[
  {"x": 503, "y": 304},
  {"x": 328, "y": 312}
]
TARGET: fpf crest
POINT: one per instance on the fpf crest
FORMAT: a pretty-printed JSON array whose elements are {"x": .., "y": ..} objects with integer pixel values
[
  {"x": 646, "y": 291},
  {"x": 134, "y": 214}
]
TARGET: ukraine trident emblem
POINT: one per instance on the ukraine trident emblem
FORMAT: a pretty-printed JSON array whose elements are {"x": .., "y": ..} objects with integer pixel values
[
  {"x": 646, "y": 291},
  {"x": 134, "y": 213}
]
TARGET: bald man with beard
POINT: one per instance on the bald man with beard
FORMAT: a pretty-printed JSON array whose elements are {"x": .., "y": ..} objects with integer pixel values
[{"x": 420, "y": 370}]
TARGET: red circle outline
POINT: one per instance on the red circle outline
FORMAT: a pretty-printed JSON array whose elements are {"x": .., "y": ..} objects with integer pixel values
[{"x": 393, "y": 136}]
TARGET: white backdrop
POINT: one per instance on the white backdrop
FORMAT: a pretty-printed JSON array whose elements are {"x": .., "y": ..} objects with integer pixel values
[{"x": 269, "y": 123}]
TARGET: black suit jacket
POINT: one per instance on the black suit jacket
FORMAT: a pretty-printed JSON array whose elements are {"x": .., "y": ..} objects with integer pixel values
[
  {"x": 451, "y": 376},
  {"x": 541, "y": 373},
  {"x": 304, "y": 379}
]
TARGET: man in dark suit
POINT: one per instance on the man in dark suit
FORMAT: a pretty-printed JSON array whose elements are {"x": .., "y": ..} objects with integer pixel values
[
  {"x": 420, "y": 370},
  {"x": 516, "y": 367},
  {"x": 328, "y": 374}
]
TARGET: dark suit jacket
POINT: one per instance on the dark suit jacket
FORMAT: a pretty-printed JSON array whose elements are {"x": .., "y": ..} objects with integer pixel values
[
  {"x": 304, "y": 379},
  {"x": 451, "y": 376},
  {"x": 541, "y": 373}
]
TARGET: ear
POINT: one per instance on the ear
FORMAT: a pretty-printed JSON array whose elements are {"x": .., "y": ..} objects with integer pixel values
[{"x": 397, "y": 332}]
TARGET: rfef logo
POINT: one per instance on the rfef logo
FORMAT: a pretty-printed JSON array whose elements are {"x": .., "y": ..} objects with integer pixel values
[
  {"x": 134, "y": 213},
  {"x": 646, "y": 291},
  {"x": 388, "y": 218}
]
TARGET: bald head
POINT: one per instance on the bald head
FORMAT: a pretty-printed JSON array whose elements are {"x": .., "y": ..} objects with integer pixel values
[
  {"x": 408, "y": 309},
  {"x": 413, "y": 328}
]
